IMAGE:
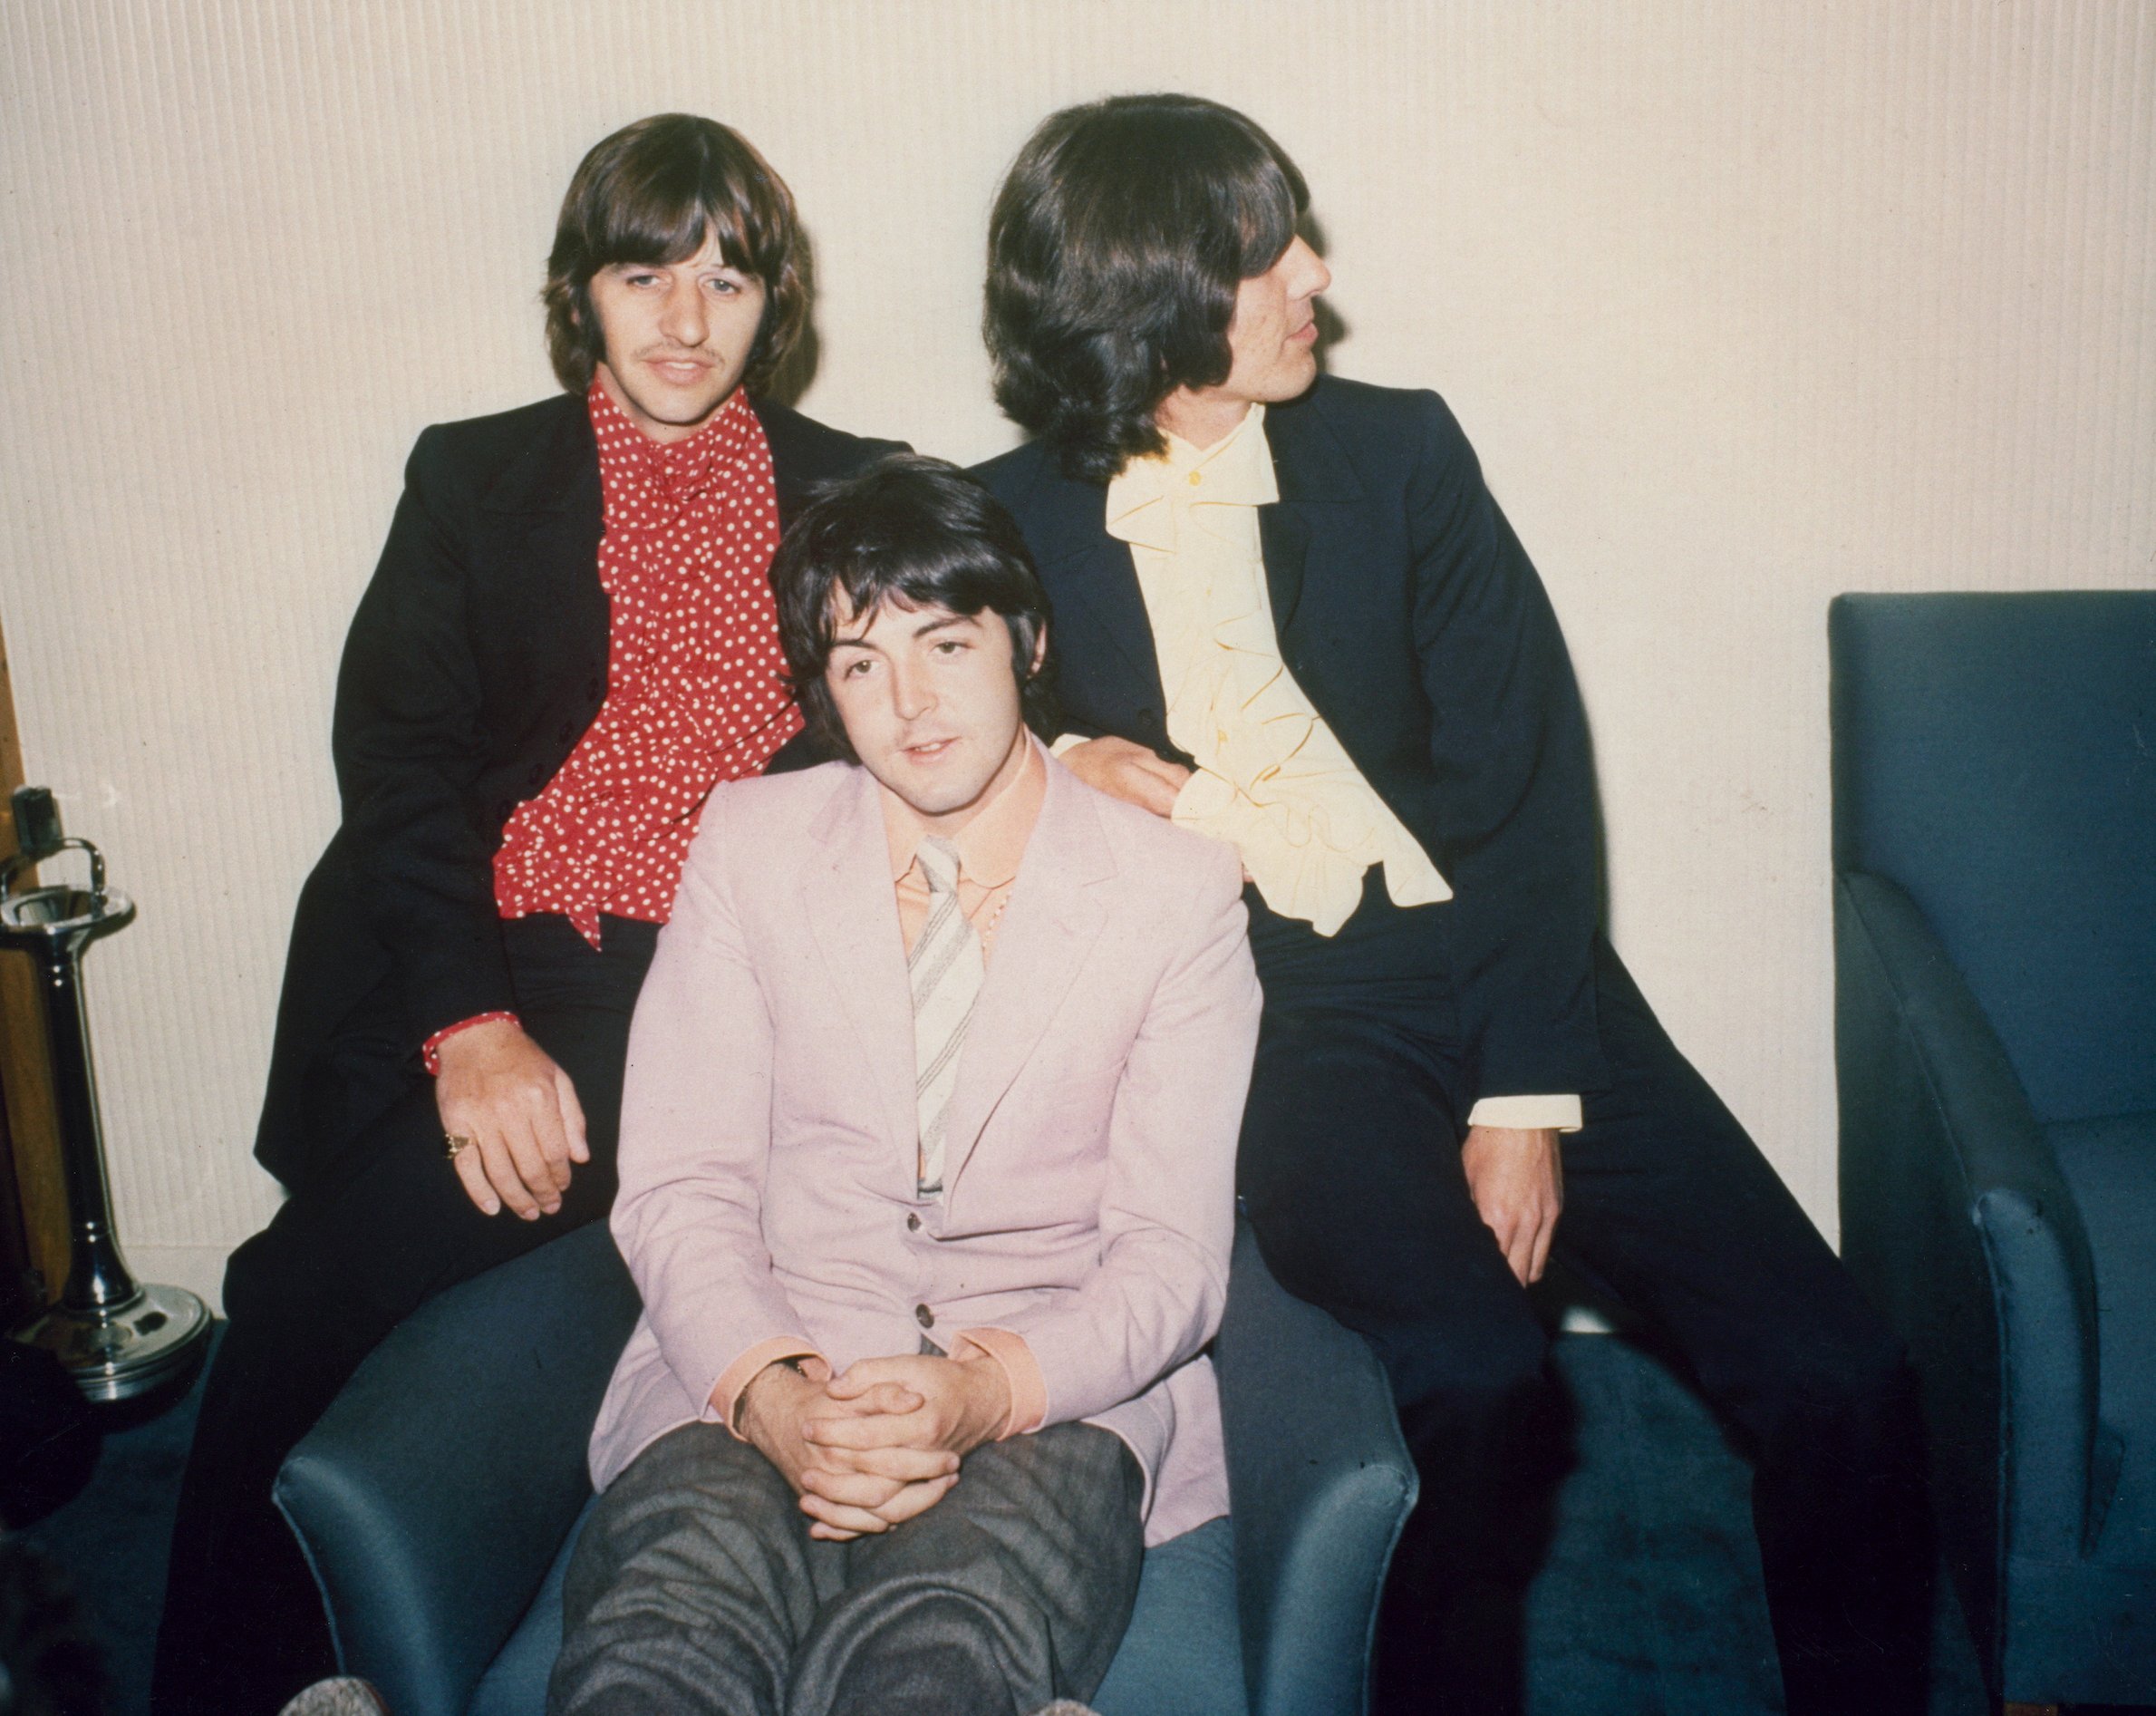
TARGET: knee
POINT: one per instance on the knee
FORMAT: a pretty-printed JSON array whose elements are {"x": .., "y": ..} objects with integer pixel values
[
  {"x": 1476, "y": 1382},
  {"x": 259, "y": 1281},
  {"x": 1846, "y": 1385}
]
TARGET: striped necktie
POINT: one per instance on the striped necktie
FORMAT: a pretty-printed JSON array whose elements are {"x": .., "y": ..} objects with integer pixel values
[{"x": 945, "y": 968}]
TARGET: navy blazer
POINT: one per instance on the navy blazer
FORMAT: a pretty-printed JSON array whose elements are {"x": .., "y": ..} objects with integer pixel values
[
  {"x": 476, "y": 661},
  {"x": 1412, "y": 620}
]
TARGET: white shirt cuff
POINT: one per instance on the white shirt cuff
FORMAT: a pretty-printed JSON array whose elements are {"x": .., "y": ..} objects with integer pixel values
[{"x": 1527, "y": 1113}]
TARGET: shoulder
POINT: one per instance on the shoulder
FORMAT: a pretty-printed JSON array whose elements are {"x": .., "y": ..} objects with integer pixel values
[
  {"x": 810, "y": 452},
  {"x": 770, "y": 812},
  {"x": 1380, "y": 426},
  {"x": 1013, "y": 476},
  {"x": 1059, "y": 515},
  {"x": 484, "y": 447},
  {"x": 527, "y": 454},
  {"x": 1386, "y": 448},
  {"x": 1168, "y": 863}
]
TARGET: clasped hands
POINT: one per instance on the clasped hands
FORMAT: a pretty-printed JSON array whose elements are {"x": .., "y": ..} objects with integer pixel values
[{"x": 878, "y": 1444}]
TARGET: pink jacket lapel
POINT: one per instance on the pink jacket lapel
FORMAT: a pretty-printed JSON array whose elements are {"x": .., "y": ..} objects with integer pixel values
[
  {"x": 1057, "y": 907},
  {"x": 851, "y": 913}
]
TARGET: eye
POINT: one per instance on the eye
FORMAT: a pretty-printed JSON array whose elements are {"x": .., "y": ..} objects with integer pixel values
[
  {"x": 854, "y": 669},
  {"x": 950, "y": 646}
]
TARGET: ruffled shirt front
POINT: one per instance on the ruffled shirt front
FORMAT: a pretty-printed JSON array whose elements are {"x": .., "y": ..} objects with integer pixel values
[{"x": 1271, "y": 775}]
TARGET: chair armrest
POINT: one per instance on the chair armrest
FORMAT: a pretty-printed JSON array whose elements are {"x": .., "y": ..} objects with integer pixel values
[
  {"x": 1957, "y": 1218},
  {"x": 431, "y": 1496},
  {"x": 1320, "y": 1483}
]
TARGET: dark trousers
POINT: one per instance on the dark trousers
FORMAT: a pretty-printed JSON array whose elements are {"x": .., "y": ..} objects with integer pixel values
[
  {"x": 1351, "y": 1173},
  {"x": 380, "y": 1230},
  {"x": 695, "y": 1587}
]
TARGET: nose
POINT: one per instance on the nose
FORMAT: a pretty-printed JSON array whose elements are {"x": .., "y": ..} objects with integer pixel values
[
  {"x": 1312, "y": 275},
  {"x": 912, "y": 694},
  {"x": 682, "y": 317}
]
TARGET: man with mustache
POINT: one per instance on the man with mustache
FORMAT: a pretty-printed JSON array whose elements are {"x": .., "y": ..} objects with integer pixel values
[
  {"x": 568, "y": 642},
  {"x": 1290, "y": 616}
]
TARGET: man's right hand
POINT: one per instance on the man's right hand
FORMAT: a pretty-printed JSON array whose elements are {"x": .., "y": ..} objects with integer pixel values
[
  {"x": 502, "y": 1091},
  {"x": 846, "y": 1492},
  {"x": 1127, "y": 772}
]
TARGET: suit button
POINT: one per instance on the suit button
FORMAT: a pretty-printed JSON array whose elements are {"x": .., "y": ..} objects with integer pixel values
[
  {"x": 568, "y": 733},
  {"x": 1150, "y": 715},
  {"x": 595, "y": 688},
  {"x": 924, "y": 1316},
  {"x": 913, "y": 1224},
  {"x": 536, "y": 775},
  {"x": 502, "y": 810}
]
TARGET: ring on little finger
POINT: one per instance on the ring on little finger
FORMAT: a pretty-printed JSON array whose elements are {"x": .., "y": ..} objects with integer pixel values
[{"x": 451, "y": 1144}]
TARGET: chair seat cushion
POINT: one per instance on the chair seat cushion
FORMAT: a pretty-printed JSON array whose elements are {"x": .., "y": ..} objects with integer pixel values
[
  {"x": 2111, "y": 1166},
  {"x": 1183, "y": 1655}
]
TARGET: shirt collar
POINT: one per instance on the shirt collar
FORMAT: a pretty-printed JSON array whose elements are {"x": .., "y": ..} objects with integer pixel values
[
  {"x": 1236, "y": 470},
  {"x": 990, "y": 845},
  {"x": 678, "y": 470}
]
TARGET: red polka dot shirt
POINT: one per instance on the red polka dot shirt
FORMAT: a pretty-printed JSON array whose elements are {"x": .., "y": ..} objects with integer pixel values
[{"x": 695, "y": 686}]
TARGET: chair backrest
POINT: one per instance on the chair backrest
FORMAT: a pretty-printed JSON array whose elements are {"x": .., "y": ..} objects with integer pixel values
[{"x": 1995, "y": 756}]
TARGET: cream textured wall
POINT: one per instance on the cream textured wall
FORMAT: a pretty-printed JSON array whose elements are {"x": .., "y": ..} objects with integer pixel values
[{"x": 1743, "y": 304}]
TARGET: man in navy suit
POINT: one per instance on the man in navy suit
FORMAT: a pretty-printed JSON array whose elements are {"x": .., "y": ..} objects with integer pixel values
[{"x": 1289, "y": 614}]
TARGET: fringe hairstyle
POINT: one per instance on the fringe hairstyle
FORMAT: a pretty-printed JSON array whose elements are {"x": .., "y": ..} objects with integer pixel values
[
  {"x": 651, "y": 193},
  {"x": 1115, "y": 249}
]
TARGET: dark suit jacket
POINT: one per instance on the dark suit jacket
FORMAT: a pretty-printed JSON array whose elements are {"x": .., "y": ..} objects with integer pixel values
[
  {"x": 1411, "y": 616},
  {"x": 476, "y": 661}
]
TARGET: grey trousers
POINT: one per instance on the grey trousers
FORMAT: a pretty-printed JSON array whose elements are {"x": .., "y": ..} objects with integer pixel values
[{"x": 695, "y": 1587}]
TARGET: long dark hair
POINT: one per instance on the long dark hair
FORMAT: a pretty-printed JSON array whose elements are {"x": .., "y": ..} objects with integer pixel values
[
  {"x": 1114, "y": 251},
  {"x": 919, "y": 532},
  {"x": 649, "y": 194}
]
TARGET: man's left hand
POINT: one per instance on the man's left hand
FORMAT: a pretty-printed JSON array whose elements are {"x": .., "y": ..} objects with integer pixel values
[
  {"x": 965, "y": 1402},
  {"x": 1516, "y": 1178}
]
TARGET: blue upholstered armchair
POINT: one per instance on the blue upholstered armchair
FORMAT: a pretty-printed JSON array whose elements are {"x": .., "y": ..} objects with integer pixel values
[
  {"x": 437, "y": 1498},
  {"x": 1995, "y": 914}
]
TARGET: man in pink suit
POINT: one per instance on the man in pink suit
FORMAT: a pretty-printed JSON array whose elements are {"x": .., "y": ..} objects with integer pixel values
[{"x": 927, "y": 1164}]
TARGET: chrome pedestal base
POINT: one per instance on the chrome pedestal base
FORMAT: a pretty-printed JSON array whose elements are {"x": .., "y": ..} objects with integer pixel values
[{"x": 157, "y": 1337}]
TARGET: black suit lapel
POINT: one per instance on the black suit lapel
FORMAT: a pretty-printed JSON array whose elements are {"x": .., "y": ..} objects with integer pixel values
[
  {"x": 1286, "y": 539},
  {"x": 1314, "y": 476},
  {"x": 540, "y": 527},
  {"x": 1067, "y": 525}
]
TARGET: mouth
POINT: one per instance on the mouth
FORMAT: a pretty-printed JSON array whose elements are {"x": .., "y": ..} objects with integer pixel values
[
  {"x": 1307, "y": 335},
  {"x": 929, "y": 751},
  {"x": 682, "y": 372}
]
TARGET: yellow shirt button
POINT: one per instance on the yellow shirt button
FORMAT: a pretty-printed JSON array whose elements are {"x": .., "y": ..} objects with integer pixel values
[{"x": 1196, "y": 477}]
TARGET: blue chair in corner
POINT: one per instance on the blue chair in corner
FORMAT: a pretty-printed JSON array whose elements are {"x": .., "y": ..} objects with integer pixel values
[
  {"x": 437, "y": 1501},
  {"x": 1995, "y": 925}
]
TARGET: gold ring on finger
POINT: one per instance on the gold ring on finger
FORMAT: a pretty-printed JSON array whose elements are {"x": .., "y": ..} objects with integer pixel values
[{"x": 451, "y": 1143}]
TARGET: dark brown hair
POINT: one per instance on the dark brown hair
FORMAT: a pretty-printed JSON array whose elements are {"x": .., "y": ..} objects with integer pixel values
[
  {"x": 918, "y": 532},
  {"x": 649, "y": 194},
  {"x": 1114, "y": 252}
]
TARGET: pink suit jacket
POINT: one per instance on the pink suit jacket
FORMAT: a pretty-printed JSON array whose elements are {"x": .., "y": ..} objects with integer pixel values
[{"x": 768, "y": 1130}]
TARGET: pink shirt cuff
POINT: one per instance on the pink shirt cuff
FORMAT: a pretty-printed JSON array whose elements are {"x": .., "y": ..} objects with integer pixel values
[
  {"x": 726, "y": 1392},
  {"x": 1021, "y": 1370}
]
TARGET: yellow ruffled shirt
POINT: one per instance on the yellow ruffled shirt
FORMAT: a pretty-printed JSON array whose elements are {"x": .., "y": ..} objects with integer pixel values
[{"x": 1271, "y": 776}]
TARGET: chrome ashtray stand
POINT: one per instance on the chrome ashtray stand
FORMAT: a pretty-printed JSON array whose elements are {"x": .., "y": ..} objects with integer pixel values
[{"x": 115, "y": 1336}]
